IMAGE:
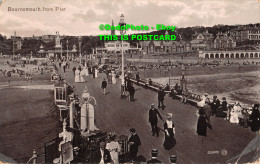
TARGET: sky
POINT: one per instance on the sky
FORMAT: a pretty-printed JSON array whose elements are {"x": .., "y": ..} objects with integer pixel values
[{"x": 83, "y": 17}]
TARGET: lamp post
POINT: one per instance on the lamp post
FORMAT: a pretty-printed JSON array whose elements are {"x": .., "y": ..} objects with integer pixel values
[
  {"x": 80, "y": 40},
  {"x": 122, "y": 32},
  {"x": 67, "y": 49}
]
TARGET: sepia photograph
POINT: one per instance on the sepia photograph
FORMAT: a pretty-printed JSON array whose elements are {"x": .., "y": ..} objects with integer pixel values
[{"x": 130, "y": 81}]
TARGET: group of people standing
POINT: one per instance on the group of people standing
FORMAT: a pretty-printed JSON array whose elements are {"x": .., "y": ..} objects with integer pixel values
[
  {"x": 80, "y": 73},
  {"x": 234, "y": 114},
  {"x": 111, "y": 77}
]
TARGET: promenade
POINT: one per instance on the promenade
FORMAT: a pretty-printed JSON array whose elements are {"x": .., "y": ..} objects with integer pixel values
[{"x": 119, "y": 115}]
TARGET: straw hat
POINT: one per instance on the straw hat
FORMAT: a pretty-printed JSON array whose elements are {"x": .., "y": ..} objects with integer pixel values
[
  {"x": 173, "y": 158},
  {"x": 169, "y": 115}
]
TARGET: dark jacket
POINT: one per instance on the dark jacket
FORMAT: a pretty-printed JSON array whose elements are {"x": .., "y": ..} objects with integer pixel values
[
  {"x": 161, "y": 95},
  {"x": 131, "y": 89},
  {"x": 207, "y": 110},
  {"x": 137, "y": 142},
  {"x": 202, "y": 126},
  {"x": 255, "y": 118},
  {"x": 137, "y": 77},
  {"x": 104, "y": 84},
  {"x": 106, "y": 156},
  {"x": 153, "y": 115},
  {"x": 155, "y": 160}
]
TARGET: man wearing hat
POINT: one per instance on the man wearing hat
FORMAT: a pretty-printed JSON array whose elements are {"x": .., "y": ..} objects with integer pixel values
[
  {"x": 161, "y": 95},
  {"x": 215, "y": 104},
  {"x": 102, "y": 156},
  {"x": 134, "y": 142},
  {"x": 173, "y": 159},
  {"x": 154, "y": 157},
  {"x": 153, "y": 113}
]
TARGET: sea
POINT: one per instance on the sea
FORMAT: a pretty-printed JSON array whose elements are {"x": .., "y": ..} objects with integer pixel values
[{"x": 241, "y": 87}]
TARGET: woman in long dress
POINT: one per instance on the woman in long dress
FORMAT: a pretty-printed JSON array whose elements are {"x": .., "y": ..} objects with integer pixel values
[
  {"x": 77, "y": 78},
  {"x": 113, "y": 78},
  {"x": 86, "y": 71},
  {"x": 96, "y": 72},
  {"x": 235, "y": 113},
  {"x": 169, "y": 130},
  {"x": 109, "y": 79},
  {"x": 255, "y": 118},
  {"x": 202, "y": 123},
  {"x": 114, "y": 149},
  {"x": 82, "y": 72}
]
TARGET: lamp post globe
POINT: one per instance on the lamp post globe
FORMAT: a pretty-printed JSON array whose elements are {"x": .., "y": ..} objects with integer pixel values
[{"x": 122, "y": 32}]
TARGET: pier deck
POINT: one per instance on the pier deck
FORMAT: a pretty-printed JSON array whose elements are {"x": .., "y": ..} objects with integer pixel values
[{"x": 119, "y": 115}]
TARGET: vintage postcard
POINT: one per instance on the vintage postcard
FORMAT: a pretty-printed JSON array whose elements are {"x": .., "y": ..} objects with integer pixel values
[{"x": 129, "y": 81}]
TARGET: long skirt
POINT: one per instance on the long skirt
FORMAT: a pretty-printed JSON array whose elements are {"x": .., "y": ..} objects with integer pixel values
[
  {"x": 113, "y": 79},
  {"x": 82, "y": 80},
  {"x": 169, "y": 141},
  {"x": 202, "y": 126},
  {"x": 77, "y": 79}
]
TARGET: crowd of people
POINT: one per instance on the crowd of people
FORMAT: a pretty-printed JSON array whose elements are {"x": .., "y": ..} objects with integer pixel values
[
  {"x": 109, "y": 152},
  {"x": 234, "y": 113}
]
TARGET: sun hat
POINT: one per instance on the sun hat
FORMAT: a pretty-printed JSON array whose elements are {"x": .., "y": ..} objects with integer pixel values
[{"x": 169, "y": 115}]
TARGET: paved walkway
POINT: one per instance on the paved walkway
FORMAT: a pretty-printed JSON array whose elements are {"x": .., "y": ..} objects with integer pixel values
[{"x": 119, "y": 115}]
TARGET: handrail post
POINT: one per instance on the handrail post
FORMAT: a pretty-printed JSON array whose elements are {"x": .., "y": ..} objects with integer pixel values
[{"x": 34, "y": 156}]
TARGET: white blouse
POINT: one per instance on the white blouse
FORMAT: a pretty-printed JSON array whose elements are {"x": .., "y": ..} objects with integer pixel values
[{"x": 169, "y": 124}]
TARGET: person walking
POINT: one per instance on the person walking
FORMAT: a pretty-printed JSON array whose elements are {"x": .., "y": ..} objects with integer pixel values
[
  {"x": 74, "y": 69},
  {"x": 169, "y": 129},
  {"x": 161, "y": 95},
  {"x": 202, "y": 123},
  {"x": 104, "y": 86},
  {"x": 154, "y": 159},
  {"x": 134, "y": 142},
  {"x": 153, "y": 113},
  {"x": 255, "y": 118},
  {"x": 207, "y": 110},
  {"x": 131, "y": 91},
  {"x": 137, "y": 77}
]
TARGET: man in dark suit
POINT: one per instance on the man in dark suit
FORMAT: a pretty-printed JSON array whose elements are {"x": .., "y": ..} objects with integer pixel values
[
  {"x": 153, "y": 113},
  {"x": 215, "y": 105},
  {"x": 134, "y": 142},
  {"x": 137, "y": 77},
  {"x": 131, "y": 91},
  {"x": 104, "y": 86},
  {"x": 102, "y": 155},
  {"x": 207, "y": 110},
  {"x": 161, "y": 95},
  {"x": 154, "y": 157}
]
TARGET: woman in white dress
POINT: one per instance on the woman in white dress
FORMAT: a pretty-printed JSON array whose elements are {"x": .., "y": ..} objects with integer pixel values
[
  {"x": 114, "y": 148},
  {"x": 82, "y": 80},
  {"x": 77, "y": 78},
  {"x": 96, "y": 72},
  {"x": 86, "y": 71},
  {"x": 113, "y": 78},
  {"x": 235, "y": 113}
]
